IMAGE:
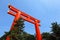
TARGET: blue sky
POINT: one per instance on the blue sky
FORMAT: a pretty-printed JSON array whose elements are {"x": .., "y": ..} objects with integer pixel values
[{"x": 47, "y": 11}]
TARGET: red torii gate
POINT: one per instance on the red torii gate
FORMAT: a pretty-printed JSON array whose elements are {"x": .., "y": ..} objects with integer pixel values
[{"x": 19, "y": 14}]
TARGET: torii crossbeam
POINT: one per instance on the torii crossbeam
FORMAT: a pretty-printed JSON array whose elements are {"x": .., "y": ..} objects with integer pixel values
[{"x": 19, "y": 14}]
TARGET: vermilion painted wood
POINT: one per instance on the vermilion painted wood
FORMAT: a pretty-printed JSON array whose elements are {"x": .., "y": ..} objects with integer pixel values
[
  {"x": 19, "y": 14},
  {"x": 22, "y": 13},
  {"x": 8, "y": 38}
]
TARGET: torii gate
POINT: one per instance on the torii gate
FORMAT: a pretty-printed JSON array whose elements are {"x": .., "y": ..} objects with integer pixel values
[{"x": 19, "y": 14}]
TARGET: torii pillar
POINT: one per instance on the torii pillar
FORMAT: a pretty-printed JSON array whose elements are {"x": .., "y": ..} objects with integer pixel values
[{"x": 19, "y": 14}]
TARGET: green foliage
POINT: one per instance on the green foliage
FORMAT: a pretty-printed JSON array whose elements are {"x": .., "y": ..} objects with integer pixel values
[
  {"x": 45, "y": 35},
  {"x": 56, "y": 29},
  {"x": 55, "y": 35},
  {"x": 18, "y": 33}
]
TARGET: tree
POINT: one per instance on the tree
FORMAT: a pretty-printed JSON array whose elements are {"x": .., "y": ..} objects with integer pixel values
[
  {"x": 55, "y": 35},
  {"x": 18, "y": 33},
  {"x": 56, "y": 30},
  {"x": 45, "y": 36}
]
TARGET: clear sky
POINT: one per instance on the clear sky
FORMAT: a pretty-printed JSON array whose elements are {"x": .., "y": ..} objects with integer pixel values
[{"x": 47, "y": 11}]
